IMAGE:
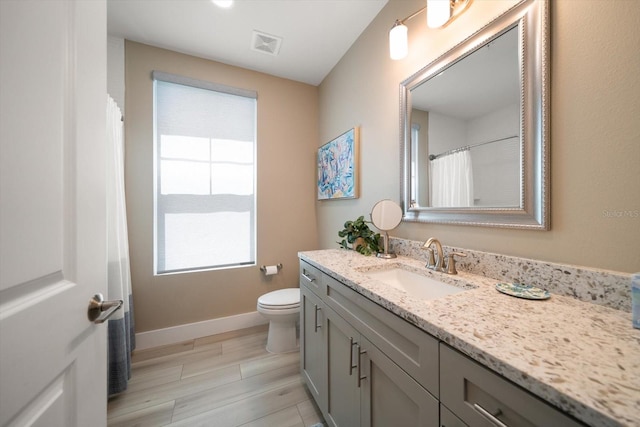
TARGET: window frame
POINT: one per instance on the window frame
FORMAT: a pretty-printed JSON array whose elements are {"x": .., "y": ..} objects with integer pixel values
[{"x": 187, "y": 203}]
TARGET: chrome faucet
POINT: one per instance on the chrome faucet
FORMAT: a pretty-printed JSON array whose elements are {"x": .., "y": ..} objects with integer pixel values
[{"x": 436, "y": 261}]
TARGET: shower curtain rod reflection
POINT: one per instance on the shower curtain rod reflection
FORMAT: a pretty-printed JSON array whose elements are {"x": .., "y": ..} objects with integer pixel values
[{"x": 467, "y": 147}]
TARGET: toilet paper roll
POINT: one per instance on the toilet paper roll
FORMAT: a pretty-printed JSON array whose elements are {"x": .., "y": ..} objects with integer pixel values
[{"x": 270, "y": 270}]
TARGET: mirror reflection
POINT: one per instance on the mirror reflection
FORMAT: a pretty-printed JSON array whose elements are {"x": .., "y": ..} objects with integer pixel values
[{"x": 465, "y": 131}]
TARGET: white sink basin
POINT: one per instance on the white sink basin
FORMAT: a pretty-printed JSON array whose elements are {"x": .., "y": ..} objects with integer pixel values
[{"x": 414, "y": 284}]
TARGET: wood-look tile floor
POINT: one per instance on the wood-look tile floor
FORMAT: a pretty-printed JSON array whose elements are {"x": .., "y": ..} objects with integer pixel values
[{"x": 218, "y": 381}]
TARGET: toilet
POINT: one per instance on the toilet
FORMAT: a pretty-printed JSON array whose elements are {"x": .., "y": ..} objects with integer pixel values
[{"x": 282, "y": 309}]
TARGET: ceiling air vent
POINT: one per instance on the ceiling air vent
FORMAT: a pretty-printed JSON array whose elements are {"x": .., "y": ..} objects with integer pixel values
[{"x": 266, "y": 43}]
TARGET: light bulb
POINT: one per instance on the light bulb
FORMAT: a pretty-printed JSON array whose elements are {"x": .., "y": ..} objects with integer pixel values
[
  {"x": 438, "y": 13},
  {"x": 398, "y": 41}
]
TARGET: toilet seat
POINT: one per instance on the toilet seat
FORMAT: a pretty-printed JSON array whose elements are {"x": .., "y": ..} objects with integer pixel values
[
  {"x": 282, "y": 299},
  {"x": 278, "y": 307},
  {"x": 279, "y": 312}
]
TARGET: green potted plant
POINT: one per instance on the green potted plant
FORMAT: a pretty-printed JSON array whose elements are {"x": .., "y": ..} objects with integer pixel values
[{"x": 358, "y": 236}]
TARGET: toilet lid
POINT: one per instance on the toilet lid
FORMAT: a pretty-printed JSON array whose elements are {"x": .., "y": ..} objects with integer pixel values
[{"x": 282, "y": 298}]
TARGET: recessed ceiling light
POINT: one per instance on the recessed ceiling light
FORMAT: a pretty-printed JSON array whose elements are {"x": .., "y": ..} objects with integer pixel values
[{"x": 225, "y": 4}]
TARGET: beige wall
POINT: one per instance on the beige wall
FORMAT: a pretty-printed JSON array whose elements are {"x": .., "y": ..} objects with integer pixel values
[
  {"x": 595, "y": 130},
  {"x": 287, "y": 140}
]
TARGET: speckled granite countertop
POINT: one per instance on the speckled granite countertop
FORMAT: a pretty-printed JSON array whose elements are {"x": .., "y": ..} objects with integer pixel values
[{"x": 582, "y": 358}]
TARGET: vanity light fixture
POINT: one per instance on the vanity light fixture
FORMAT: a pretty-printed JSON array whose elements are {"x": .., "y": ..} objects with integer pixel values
[{"x": 439, "y": 14}]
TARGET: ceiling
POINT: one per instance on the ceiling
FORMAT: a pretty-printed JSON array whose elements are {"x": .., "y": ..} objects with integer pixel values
[{"x": 315, "y": 33}]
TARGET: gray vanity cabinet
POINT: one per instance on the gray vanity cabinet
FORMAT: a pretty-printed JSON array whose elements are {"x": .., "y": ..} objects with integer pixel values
[
  {"x": 409, "y": 347},
  {"x": 366, "y": 388},
  {"x": 365, "y": 366},
  {"x": 355, "y": 382}
]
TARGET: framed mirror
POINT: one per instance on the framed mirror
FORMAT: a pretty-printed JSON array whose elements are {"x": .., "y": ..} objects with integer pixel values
[{"x": 474, "y": 128}]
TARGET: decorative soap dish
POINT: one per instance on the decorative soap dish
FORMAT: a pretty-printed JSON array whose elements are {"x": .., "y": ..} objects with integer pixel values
[{"x": 521, "y": 290}]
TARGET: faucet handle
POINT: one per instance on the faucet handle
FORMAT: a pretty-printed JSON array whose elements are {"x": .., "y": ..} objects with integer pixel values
[
  {"x": 431, "y": 261},
  {"x": 451, "y": 262}
]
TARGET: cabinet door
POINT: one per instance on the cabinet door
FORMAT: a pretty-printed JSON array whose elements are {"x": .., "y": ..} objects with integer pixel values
[
  {"x": 389, "y": 396},
  {"x": 343, "y": 405},
  {"x": 312, "y": 345}
]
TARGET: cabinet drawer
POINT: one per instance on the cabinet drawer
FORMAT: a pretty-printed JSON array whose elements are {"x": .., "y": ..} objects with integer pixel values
[
  {"x": 311, "y": 277},
  {"x": 412, "y": 349},
  {"x": 470, "y": 390}
]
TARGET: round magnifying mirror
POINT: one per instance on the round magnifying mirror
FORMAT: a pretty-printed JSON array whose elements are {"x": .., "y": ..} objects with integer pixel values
[{"x": 386, "y": 215}]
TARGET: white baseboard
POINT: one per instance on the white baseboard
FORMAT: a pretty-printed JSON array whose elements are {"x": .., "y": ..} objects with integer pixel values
[{"x": 189, "y": 331}]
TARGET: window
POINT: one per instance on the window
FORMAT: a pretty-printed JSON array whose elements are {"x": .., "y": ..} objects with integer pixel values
[
  {"x": 415, "y": 155},
  {"x": 204, "y": 163}
]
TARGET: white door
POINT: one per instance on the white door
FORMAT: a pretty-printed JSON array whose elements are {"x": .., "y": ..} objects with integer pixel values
[{"x": 52, "y": 212}]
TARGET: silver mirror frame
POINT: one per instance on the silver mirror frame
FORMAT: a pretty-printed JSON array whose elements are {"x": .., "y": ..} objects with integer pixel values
[{"x": 532, "y": 19}]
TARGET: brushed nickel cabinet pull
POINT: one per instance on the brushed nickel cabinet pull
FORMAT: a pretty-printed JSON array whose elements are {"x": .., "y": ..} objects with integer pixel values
[
  {"x": 360, "y": 377},
  {"x": 316, "y": 326},
  {"x": 307, "y": 276},
  {"x": 351, "y": 365},
  {"x": 489, "y": 416}
]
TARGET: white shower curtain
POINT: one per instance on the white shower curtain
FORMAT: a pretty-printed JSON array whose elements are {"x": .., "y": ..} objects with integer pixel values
[
  {"x": 120, "y": 324},
  {"x": 452, "y": 180}
]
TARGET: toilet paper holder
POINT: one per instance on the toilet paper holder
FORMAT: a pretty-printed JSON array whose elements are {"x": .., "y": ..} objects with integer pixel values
[{"x": 263, "y": 268}]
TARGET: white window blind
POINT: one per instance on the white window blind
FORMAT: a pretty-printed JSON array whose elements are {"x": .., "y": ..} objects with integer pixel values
[{"x": 204, "y": 162}]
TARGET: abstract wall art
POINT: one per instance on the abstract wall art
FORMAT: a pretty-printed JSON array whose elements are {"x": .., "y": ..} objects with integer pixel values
[{"x": 338, "y": 167}]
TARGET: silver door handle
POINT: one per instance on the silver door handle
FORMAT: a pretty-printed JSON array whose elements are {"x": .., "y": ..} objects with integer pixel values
[{"x": 98, "y": 306}]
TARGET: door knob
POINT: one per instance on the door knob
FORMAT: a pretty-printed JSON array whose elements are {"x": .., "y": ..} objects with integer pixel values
[{"x": 98, "y": 306}]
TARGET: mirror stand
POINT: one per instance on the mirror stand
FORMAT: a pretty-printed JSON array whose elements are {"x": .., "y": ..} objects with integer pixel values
[{"x": 386, "y": 254}]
